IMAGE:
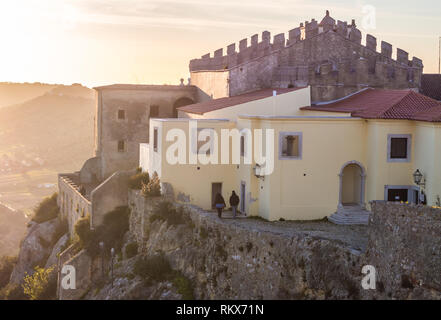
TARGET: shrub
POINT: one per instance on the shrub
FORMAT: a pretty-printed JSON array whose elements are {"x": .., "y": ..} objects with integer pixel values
[
  {"x": 183, "y": 286},
  {"x": 131, "y": 250},
  {"x": 115, "y": 225},
  {"x": 110, "y": 232},
  {"x": 83, "y": 231},
  {"x": 6, "y": 266},
  {"x": 152, "y": 188},
  {"x": 42, "y": 285},
  {"x": 138, "y": 180},
  {"x": 203, "y": 233},
  {"x": 155, "y": 267},
  {"x": 46, "y": 210},
  {"x": 165, "y": 210}
]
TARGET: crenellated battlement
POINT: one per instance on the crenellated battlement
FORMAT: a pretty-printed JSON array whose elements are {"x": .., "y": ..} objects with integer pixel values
[
  {"x": 250, "y": 49},
  {"x": 328, "y": 55}
]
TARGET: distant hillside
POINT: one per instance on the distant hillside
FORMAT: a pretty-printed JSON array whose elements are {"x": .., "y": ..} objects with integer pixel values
[
  {"x": 12, "y": 230},
  {"x": 41, "y": 137},
  {"x": 14, "y": 93},
  {"x": 56, "y": 126}
]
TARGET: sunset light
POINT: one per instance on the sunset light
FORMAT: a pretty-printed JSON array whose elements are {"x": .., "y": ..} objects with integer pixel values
[{"x": 230, "y": 158}]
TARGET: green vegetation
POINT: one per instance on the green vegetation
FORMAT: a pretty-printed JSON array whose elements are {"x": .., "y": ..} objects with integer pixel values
[
  {"x": 183, "y": 286},
  {"x": 82, "y": 230},
  {"x": 166, "y": 211},
  {"x": 42, "y": 285},
  {"x": 155, "y": 267},
  {"x": 138, "y": 180},
  {"x": 152, "y": 188},
  {"x": 46, "y": 210},
  {"x": 203, "y": 233},
  {"x": 131, "y": 250},
  {"x": 110, "y": 232}
]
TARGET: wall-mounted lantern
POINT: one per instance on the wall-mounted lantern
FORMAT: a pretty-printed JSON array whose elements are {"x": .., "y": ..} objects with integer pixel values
[{"x": 418, "y": 178}]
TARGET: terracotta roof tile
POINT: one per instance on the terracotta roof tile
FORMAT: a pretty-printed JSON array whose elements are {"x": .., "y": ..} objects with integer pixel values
[
  {"x": 385, "y": 104},
  {"x": 216, "y": 104}
]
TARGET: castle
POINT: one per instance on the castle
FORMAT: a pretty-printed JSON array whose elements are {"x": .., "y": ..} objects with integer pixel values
[{"x": 327, "y": 57}]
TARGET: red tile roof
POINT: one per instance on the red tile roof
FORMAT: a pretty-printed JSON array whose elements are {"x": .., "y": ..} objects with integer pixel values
[
  {"x": 385, "y": 104},
  {"x": 216, "y": 104}
]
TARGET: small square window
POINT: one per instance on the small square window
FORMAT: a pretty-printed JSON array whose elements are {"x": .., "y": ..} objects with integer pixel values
[
  {"x": 121, "y": 146},
  {"x": 290, "y": 145},
  {"x": 398, "y": 148},
  {"x": 121, "y": 114}
]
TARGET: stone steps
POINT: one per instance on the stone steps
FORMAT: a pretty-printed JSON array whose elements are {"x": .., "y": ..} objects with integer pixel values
[{"x": 350, "y": 216}]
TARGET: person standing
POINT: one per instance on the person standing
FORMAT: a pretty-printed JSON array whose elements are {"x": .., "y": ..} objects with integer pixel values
[
  {"x": 219, "y": 204},
  {"x": 234, "y": 202}
]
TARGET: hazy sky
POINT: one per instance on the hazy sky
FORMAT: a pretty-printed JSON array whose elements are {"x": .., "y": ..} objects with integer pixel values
[{"x": 97, "y": 42}]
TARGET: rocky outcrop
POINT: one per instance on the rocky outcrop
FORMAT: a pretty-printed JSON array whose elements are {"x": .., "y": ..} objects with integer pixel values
[
  {"x": 35, "y": 249},
  {"x": 234, "y": 260},
  {"x": 127, "y": 286},
  {"x": 252, "y": 259},
  {"x": 53, "y": 258},
  {"x": 249, "y": 259}
]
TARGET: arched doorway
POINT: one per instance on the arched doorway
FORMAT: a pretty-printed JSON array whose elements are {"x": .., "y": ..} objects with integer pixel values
[
  {"x": 180, "y": 103},
  {"x": 352, "y": 184}
]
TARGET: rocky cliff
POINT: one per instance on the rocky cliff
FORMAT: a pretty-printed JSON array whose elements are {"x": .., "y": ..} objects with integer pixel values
[{"x": 254, "y": 259}]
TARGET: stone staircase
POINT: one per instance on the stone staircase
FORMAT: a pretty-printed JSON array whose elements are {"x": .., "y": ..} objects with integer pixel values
[{"x": 350, "y": 215}]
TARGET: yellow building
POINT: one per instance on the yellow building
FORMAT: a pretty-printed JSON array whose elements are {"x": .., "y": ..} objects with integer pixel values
[{"x": 335, "y": 156}]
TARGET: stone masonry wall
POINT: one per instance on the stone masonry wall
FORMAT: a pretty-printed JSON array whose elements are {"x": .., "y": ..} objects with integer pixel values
[
  {"x": 138, "y": 103},
  {"x": 229, "y": 261},
  {"x": 405, "y": 247},
  {"x": 328, "y": 56}
]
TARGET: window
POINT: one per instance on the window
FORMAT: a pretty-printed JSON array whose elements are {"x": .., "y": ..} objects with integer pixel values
[
  {"x": 399, "y": 148},
  {"x": 154, "y": 111},
  {"x": 121, "y": 114},
  {"x": 290, "y": 145},
  {"x": 242, "y": 146},
  {"x": 402, "y": 193},
  {"x": 155, "y": 139},
  {"x": 121, "y": 146}
]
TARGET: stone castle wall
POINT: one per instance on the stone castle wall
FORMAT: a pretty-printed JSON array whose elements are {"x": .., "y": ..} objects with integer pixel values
[
  {"x": 405, "y": 247},
  {"x": 229, "y": 261},
  {"x": 328, "y": 56},
  {"x": 138, "y": 103}
]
